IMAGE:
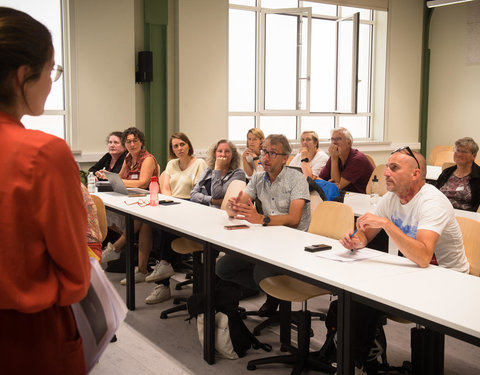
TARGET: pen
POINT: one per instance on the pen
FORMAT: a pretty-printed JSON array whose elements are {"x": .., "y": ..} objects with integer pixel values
[{"x": 353, "y": 234}]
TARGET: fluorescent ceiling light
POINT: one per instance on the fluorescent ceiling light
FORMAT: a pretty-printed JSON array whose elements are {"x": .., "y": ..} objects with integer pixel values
[{"x": 440, "y": 3}]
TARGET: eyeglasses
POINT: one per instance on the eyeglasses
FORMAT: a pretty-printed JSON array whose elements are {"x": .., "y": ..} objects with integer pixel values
[
  {"x": 134, "y": 140},
  {"x": 336, "y": 139},
  {"x": 56, "y": 73},
  {"x": 271, "y": 154},
  {"x": 406, "y": 148},
  {"x": 140, "y": 202},
  {"x": 462, "y": 151}
]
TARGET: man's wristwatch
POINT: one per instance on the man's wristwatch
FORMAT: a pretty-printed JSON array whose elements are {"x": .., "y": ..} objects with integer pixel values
[
  {"x": 305, "y": 160},
  {"x": 266, "y": 220},
  {"x": 256, "y": 158}
]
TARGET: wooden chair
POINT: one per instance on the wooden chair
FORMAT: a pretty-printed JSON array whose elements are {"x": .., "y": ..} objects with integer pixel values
[
  {"x": 470, "y": 229},
  {"x": 185, "y": 246},
  {"x": 443, "y": 157},
  {"x": 447, "y": 164},
  {"x": 102, "y": 215},
  {"x": 290, "y": 158},
  {"x": 382, "y": 185},
  {"x": 330, "y": 219},
  {"x": 371, "y": 160},
  {"x": 435, "y": 151},
  {"x": 235, "y": 187},
  {"x": 315, "y": 200}
]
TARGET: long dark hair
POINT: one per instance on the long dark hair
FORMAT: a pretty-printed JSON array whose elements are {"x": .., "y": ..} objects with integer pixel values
[{"x": 23, "y": 41}]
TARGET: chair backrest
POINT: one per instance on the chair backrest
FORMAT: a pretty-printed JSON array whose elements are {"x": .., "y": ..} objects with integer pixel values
[
  {"x": 332, "y": 219},
  {"x": 102, "y": 215},
  {"x": 315, "y": 200},
  {"x": 381, "y": 185},
  {"x": 235, "y": 187},
  {"x": 447, "y": 164},
  {"x": 443, "y": 157},
  {"x": 290, "y": 158},
  {"x": 470, "y": 229},
  {"x": 371, "y": 160},
  {"x": 433, "y": 154}
]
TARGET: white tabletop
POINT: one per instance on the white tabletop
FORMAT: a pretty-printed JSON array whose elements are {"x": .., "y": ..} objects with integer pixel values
[{"x": 442, "y": 296}]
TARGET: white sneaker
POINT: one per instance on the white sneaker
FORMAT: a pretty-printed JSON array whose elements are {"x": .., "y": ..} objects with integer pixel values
[
  {"x": 138, "y": 276},
  {"x": 161, "y": 271},
  {"x": 159, "y": 294},
  {"x": 109, "y": 253}
]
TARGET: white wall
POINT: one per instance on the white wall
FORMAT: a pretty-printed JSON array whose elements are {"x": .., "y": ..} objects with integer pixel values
[
  {"x": 103, "y": 66},
  {"x": 454, "y": 99},
  {"x": 202, "y": 56},
  {"x": 107, "y": 98}
]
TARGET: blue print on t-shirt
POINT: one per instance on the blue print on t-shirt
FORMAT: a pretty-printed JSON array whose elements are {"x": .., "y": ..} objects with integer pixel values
[{"x": 409, "y": 230}]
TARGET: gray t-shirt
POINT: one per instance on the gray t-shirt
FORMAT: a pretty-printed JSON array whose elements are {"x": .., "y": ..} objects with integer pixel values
[{"x": 276, "y": 198}]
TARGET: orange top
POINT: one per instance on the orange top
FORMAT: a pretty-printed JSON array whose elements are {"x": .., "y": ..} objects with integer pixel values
[{"x": 43, "y": 257}]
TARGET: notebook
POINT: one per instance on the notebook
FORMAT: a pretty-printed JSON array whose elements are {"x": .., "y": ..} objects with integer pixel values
[{"x": 119, "y": 187}]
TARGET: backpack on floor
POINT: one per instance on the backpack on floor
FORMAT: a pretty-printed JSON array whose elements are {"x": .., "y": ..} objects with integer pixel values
[{"x": 232, "y": 336}]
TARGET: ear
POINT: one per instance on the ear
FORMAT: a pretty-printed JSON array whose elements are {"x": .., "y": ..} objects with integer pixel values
[{"x": 22, "y": 72}]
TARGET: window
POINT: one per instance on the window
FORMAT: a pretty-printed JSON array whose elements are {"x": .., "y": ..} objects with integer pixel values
[
  {"x": 51, "y": 14},
  {"x": 294, "y": 66}
]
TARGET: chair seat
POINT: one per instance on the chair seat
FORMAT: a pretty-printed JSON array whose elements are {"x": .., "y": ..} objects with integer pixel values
[
  {"x": 290, "y": 289},
  {"x": 183, "y": 245}
]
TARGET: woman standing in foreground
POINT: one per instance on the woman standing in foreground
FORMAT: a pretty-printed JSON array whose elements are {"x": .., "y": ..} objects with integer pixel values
[{"x": 44, "y": 267}]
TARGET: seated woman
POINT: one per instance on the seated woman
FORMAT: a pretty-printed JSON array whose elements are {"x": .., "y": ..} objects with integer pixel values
[
  {"x": 181, "y": 174},
  {"x": 223, "y": 163},
  {"x": 112, "y": 161},
  {"x": 461, "y": 182},
  {"x": 251, "y": 155},
  {"x": 137, "y": 170},
  {"x": 310, "y": 158}
]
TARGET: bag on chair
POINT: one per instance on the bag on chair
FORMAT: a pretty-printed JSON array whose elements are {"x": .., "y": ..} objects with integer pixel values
[
  {"x": 232, "y": 336},
  {"x": 327, "y": 190}
]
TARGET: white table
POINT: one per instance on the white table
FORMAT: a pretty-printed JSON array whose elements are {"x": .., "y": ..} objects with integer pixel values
[{"x": 364, "y": 281}]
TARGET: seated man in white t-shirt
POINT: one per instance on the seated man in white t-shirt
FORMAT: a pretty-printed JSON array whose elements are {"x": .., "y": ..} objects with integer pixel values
[
  {"x": 421, "y": 222},
  {"x": 416, "y": 216},
  {"x": 310, "y": 158}
]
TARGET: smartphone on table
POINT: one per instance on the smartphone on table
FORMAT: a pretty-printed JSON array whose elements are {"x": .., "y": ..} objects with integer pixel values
[
  {"x": 319, "y": 247},
  {"x": 237, "y": 226}
]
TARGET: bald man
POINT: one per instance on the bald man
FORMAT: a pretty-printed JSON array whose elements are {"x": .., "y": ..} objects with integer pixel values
[{"x": 416, "y": 216}]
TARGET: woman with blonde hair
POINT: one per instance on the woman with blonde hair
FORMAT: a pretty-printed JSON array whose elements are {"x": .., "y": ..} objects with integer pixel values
[{"x": 251, "y": 155}]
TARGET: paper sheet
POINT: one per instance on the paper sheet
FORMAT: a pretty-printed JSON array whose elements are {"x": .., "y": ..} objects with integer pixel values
[{"x": 345, "y": 255}]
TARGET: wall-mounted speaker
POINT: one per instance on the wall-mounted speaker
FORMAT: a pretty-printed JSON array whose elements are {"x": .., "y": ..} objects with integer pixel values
[{"x": 145, "y": 67}]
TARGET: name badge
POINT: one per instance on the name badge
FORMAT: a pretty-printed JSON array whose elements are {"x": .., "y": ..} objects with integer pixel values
[
  {"x": 460, "y": 188},
  {"x": 134, "y": 176}
]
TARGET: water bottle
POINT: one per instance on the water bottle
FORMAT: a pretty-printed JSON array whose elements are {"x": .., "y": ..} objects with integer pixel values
[
  {"x": 154, "y": 189},
  {"x": 91, "y": 182},
  {"x": 374, "y": 191}
]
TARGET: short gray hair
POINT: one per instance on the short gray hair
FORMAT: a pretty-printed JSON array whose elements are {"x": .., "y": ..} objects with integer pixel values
[
  {"x": 346, "y": 133},
  {"x": 467, "y": 142},
  {"x": 280, "y": 139}
]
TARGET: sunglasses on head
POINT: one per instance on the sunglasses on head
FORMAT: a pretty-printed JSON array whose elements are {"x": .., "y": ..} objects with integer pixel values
[{"x": 409, "y": 151}]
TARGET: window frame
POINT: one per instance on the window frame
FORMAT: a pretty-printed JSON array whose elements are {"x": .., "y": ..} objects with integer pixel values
[{"x": 369, "y": 112}]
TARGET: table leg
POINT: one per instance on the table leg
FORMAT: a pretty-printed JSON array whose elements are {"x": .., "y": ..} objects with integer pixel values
[
  {"x": 345, "y": 334},
  {"x": 209, "y": 294},
  {"x": 130, "y": 263}
]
